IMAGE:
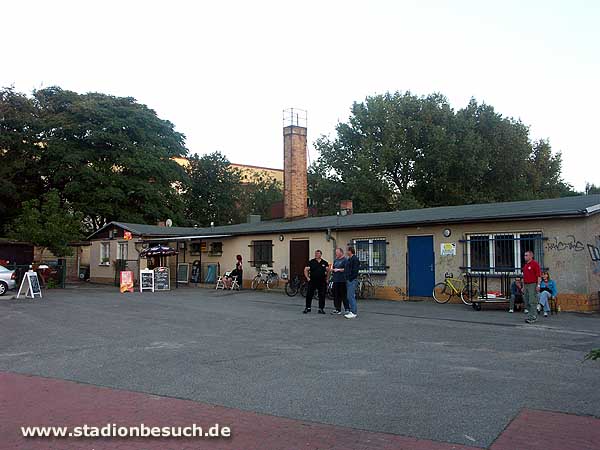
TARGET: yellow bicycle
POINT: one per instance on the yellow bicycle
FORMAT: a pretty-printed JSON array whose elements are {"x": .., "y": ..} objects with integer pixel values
[{"x": 445, "y": 290}]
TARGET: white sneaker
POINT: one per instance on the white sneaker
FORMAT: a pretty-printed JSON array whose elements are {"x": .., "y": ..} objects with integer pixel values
[
  {"x": 350, "y": 315},
  {"x": 545, "y": 314},
  {"x": 539, "y": 308},
  {"x": 526, "y": 311},
  {"x": 510, "y": 311}
]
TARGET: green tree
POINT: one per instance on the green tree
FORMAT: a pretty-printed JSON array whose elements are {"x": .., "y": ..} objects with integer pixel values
[
  {"x": 591, "y": 189},
  {"x": 19, "y": 154},
  {"x": 258, "y": 194},
  {"x": 212, "y": 191},
  {"x": 109, "y": 157},
  {"x": 49, "y": 225},
  {"x": 399, "y": 151}
]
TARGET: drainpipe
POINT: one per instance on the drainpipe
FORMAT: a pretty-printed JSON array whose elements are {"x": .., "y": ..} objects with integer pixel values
[{"x": 333, "y": 240}]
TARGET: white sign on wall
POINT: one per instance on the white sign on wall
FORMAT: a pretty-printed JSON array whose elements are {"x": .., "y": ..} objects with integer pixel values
[{"x": 448, "y": 249}]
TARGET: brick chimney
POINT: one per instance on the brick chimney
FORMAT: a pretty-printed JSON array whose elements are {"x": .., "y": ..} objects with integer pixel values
[
  {"x": 346, "y": 208},
  {"x": 295, "y": 184}
]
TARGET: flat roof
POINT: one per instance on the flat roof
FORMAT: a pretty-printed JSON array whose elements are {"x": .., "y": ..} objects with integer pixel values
[{"x": 567, "y": 207}]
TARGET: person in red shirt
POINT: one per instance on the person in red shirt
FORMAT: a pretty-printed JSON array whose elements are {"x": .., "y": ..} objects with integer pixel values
[{"x": 532, "y": 276}]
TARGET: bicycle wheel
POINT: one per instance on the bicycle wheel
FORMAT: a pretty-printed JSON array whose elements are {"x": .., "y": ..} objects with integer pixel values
[
  {"x": 442, "y": 293},
  {"x": 468, "y": 295},
  {"x": 292, "y": 288},
  {"x": 255, "y": 282},
  {"x": 369, "y": 290},
  {"x": 303, "y": 289},
  {"x": 330, "y": 291},
  {"x": 273, "y": 281}
]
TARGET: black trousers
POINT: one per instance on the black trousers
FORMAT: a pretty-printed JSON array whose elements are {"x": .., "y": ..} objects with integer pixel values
[
  {"x": 313, "y": 286},
  {"x": 339, "y": 296}
]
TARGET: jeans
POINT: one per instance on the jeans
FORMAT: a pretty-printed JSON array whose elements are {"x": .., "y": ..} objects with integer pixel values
[
  {"x": 530, "y": 299},
  {"x": 545, "y": 297},
  {"x": 351, "y": 294},
  {"x": 515, "y": 299}
]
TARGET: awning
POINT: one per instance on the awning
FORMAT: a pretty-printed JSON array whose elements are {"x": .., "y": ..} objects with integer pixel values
[{"x": 158, "y": 250}]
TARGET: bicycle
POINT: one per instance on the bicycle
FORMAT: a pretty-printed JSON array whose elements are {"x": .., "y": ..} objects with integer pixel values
[
  {"x": 267, "y": 277},
  {"x": 445, "y": 290},
  {"x": 295, "y": 285},
  {"x": 366, "y": 288}
]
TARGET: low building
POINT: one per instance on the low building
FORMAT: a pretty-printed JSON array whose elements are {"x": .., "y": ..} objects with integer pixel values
[{"x": 405, "y": 252}]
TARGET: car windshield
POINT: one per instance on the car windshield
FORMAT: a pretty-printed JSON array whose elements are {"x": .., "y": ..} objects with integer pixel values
[{"x": 4, "y": 269}]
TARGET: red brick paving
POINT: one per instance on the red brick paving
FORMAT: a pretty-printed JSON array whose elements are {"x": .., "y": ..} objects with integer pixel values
[
  {"x": 546, "y": 430},
  {"x": 36, "y": 401}
]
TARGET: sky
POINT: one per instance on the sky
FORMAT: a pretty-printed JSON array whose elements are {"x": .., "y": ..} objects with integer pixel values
[{"x": 223, "y": 71}]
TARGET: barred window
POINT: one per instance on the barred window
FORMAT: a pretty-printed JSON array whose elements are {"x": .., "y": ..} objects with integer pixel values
[
  {"x": 262, "y": 253},
  {"x": 501, "y": 252},
  {"x": 372, "y": 254}
]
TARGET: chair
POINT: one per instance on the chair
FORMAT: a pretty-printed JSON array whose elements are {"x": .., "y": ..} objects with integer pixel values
[
  {"x": 221, "y": 281},
  {"x": 234, "y": 283}
]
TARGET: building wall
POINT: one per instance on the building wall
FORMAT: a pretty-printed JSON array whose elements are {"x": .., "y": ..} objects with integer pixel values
[
  {"x": 105, "y": 273},
  {"x": 567, "y": 254}
]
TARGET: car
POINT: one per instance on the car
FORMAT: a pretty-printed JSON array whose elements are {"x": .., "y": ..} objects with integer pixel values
[{"x": 7, "y": 280}]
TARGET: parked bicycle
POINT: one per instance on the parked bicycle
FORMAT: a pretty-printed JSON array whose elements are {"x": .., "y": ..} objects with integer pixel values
[
  {"x": 267, "y": 277},
  {"x": 450, "y": 287},
  {"x": 296, "y": 285},
  {"x": 366, "y": 287}
]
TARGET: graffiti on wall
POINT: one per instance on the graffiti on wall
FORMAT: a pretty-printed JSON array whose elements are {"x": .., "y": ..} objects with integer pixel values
[
  {"x": 595, "y": 255},
  {"x": 571, "y": 243}
]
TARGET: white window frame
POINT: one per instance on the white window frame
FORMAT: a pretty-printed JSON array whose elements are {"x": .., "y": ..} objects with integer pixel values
[
  {"x": 104, "y": 253},
  {"x": 371, "y": 240},
  {"x": 120, "y": 247},
  {"x": 492, "y": 249}
]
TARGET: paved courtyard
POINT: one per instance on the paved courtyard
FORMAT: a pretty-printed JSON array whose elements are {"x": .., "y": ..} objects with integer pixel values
[{"x": 431, "y": 374}]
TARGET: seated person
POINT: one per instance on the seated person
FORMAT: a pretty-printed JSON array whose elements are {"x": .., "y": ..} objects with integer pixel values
[
  {"x": 516, "y": 293},
  {"x": 237, "y": 272},
  {"x": 547, "y": 292}
]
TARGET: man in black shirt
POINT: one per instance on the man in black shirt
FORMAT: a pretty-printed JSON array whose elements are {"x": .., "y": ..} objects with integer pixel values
[{"x": 316, "y": 272}]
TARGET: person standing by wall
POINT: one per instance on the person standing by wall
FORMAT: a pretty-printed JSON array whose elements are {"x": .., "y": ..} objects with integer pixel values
[
  {"x": 316, "y": 272},
  {"x": 352, "y": 267},
  {"x": 339, "y": 283},
  {"x": 532, "y": 276}
]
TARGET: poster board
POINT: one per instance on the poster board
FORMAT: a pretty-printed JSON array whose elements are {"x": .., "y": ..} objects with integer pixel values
[
  {"x": 162, "y": 280},
  {"x": 30, "y": 285},
  {"x": 126, "y": 281},
  {"x": 146, "y": 280},
  {"x": 448, "y": 249},
  {"x": 183, "y": 272}
]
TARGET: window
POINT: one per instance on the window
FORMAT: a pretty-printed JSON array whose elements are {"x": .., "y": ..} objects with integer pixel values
[
  {"x": 501, "y": 252},
  {"x": 216, "y": 249},
  {"x": 372, "y": 254},
  {"x": 262, "y": 253},
  {"x": 122, "y": 250},
  {"x": 105, "y": 253}
]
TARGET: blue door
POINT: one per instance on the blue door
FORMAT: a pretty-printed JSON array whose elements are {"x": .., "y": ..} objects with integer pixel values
[{"x": 421, "y": 270}]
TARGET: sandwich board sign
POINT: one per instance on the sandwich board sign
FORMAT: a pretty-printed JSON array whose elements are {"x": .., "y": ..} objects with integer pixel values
[
  {"x": 30, "y": 286},
  {"x": 146, "y": 280}
]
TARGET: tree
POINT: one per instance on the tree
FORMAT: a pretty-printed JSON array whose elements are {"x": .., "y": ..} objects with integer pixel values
[
  {"x": 400, "y": 151},
  {"x": 258, "y": 194},
  {"x": 19, "y": 153},
  {"x": 212, "y": 191},
  {"x": 591, "y": 189},
  {"x": 109, "y": 157},
  {"x": 49, "y": 225}
]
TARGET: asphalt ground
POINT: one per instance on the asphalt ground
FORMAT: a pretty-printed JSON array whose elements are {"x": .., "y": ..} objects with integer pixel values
[{"x": 440, "y": 372}]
